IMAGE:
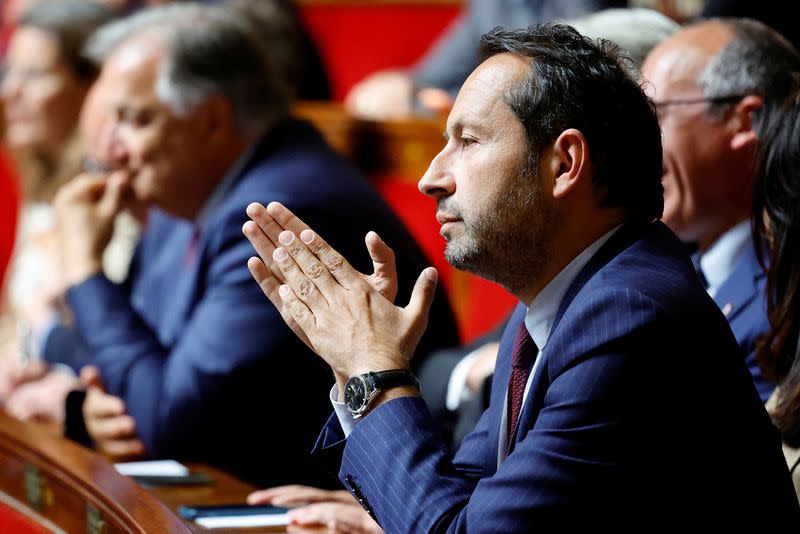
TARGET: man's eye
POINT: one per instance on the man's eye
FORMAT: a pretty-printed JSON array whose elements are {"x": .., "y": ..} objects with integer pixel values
[
  {"x": 141, "y": 119},
  {"x": 134, "y": 117},
  {"x": 468, "y": 141}
]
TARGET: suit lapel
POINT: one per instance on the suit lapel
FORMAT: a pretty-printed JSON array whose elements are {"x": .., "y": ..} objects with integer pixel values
[
  {"x": 622, "y": 239},
  {"x": 741, "y": 287},
  {"x": 163, "y": 294}
]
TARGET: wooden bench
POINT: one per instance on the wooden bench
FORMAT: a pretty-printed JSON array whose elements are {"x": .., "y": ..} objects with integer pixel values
[{"x": 49, "y": 484}]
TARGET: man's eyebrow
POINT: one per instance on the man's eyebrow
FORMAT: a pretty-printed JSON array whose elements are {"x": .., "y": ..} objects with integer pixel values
[{"x": 462, "y": 124}]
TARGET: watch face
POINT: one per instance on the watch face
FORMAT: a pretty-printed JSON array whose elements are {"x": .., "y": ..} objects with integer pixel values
[{"x": 355, "y": 394}]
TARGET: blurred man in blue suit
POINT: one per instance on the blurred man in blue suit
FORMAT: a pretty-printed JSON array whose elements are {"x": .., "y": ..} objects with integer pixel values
[
  {"x": 713, "y": 85},
  {"x": 550, "y": 184},
  {"x": 187, "y": 356}
]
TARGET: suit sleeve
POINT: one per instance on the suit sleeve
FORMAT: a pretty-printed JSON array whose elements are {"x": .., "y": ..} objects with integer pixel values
[
  {"x": 166, "y": 389},
  {"x": 63, "y": 345},
  {"x": 567, "y": 460}
]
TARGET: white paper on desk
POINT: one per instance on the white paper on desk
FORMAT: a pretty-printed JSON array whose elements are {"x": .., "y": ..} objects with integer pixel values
[
  {"x": 169, "y": 468},
  {"x": 239, "y": 521}
]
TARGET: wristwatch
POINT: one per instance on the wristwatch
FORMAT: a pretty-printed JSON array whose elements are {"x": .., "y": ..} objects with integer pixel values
[{"x": 361, "y": 389}]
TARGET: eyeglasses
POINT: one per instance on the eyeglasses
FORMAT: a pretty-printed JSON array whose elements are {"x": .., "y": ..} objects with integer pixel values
[{"x": 698, "y": 100}]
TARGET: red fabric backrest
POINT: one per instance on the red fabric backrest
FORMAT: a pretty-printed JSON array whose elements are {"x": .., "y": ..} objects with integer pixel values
[
  {"x": 356, "y": 40},
  {"x": 9, "y": 211}
]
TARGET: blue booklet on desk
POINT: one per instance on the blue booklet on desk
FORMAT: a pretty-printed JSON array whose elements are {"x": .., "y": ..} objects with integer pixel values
[{"x": 235, "y": 516}]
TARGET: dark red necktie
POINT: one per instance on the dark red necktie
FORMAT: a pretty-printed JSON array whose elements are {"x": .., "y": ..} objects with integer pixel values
[
  {"x": 522, "y": 357},
  {"x": 191, "y": 250}
]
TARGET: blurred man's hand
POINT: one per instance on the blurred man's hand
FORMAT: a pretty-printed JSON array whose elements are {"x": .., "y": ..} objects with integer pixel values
[
  {"x": 384, "y": 95},
  {"x": 107, "y": 422},
  {"x": 85, "y": 211},
  {"x": 40, "y": 393},
  {"x": 14, "y": 374}
]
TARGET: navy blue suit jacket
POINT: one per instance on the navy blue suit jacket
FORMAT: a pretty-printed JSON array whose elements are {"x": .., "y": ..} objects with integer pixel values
[
  {"x": 614, "y": 431},
  {"x": 743, "y": 300},
  {"x": 203, "y": 361}
]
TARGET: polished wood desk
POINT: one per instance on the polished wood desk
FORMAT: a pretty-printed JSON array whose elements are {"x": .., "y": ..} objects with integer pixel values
[
  {"x": 61, "y": 485},
  {"x": 73, "y": 488}
]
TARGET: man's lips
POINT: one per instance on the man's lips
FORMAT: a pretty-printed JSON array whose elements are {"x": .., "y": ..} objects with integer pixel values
[{"x": 443, "y": 218}]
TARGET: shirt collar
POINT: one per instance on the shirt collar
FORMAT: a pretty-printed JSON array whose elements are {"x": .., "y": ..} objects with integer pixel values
[
  {"x": 720, "y": 259},
  {"x": 543, "y": 309},
  {"x": 219, "y": 193}
]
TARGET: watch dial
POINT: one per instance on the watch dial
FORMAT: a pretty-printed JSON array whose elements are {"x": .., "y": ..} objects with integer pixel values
[{"x": 354, "y": 393}]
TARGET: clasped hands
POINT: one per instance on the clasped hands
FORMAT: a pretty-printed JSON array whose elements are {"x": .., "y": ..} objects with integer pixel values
[{"x": 346, "y": 317}]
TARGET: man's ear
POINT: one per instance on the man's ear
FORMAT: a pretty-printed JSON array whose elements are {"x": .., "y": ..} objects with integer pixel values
[
  {"x": 741, "y": 122},
  {"x": 569, "y": 159},
  {"x": 215, "y": 118}
]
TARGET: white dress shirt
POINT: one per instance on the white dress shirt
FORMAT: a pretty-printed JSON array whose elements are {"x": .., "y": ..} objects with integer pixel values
[
  {"x": 721, "y": 258},
  {"x": 538, "y": 321}
]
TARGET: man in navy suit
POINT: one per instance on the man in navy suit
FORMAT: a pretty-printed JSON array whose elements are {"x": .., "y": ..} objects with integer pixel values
[
  {"x": 187, "y": 354},
  {"x": 715, "y": 83},
  {"x": 550, "y": 184}
]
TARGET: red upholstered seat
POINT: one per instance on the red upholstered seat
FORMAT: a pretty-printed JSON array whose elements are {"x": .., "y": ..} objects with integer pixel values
[
  {"x": 9, "y": 210},
  {"x": 14, "y": 522},
  {"x": 356, "y": 40}
]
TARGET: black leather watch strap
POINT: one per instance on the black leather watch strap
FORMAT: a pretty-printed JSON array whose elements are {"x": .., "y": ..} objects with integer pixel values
[{"x": 393, "y": 378}]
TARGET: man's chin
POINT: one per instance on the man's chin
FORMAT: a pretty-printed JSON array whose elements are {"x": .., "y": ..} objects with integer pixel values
[{"x": 459, "y": 258}]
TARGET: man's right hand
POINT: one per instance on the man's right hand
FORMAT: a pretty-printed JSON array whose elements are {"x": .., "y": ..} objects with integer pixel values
[
  {"x": 312, "y": 507},
  {"x": 85, "y": 211},
  {"x": 107, "y": 422}
]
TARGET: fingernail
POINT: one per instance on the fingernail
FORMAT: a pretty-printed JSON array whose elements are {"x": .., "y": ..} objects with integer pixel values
[
  {"x": 307, "y": 236},
  {"x": 284, "y": 290},
  {"x": 286, "y": 237},
  {"x": 279, "y": 254},
  {"x": 432, "y": 274}
]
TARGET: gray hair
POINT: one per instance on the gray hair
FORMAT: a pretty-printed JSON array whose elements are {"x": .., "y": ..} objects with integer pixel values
[
  {"x": 210, "y": 52},
  {"x": 757, "y": 60},
  {"x": 635, "y": 30}
]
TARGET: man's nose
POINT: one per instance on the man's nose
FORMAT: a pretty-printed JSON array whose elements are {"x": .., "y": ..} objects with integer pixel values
[
  {"x": 438, "y": 179},
  {"x": 114, "y": 149}
]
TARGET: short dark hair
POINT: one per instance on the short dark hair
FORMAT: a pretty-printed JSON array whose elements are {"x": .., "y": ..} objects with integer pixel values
[
  {"x": 576, "y": 82},
  {"x": 70, "y": 22}
]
